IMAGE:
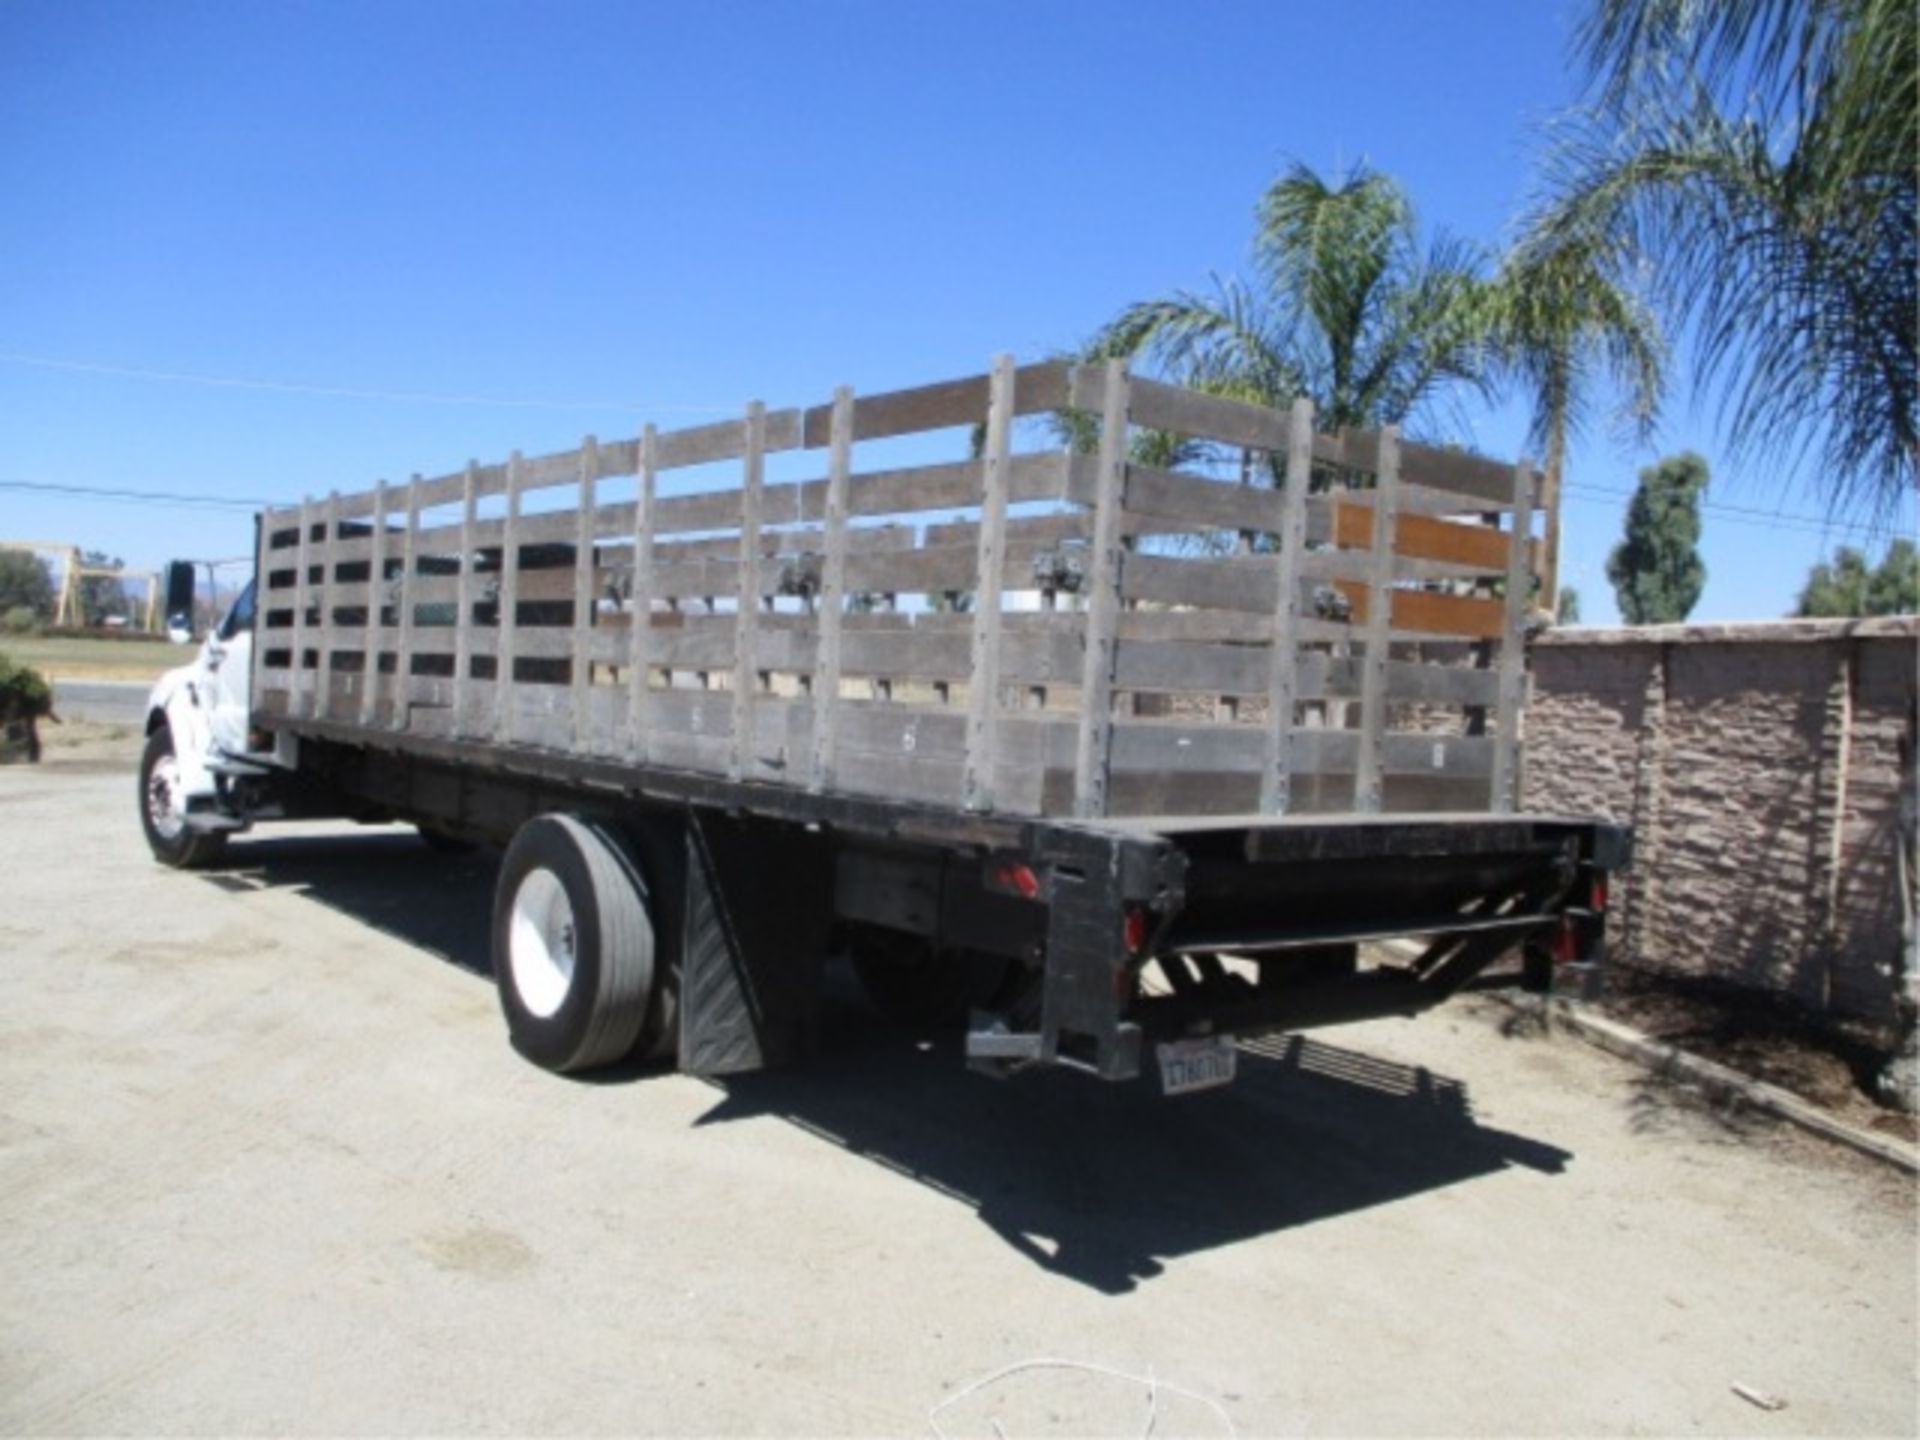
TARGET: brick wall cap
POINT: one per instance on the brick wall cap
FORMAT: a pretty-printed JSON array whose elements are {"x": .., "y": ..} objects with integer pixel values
[{"x": 1776, "y": 632}]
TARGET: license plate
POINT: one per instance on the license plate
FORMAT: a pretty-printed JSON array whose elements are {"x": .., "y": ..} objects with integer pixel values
[{"x": 1189, "y": 1065}]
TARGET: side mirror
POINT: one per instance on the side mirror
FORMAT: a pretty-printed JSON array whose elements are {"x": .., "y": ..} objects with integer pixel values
[{"x": 180, "y": 601}]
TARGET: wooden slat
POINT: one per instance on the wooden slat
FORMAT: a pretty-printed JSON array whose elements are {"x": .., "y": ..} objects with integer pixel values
[
  {"x": 1477, "y": 480},
  {"x": 1276, "y": 775},
  {"x": 724, "y": 440},
  {"x": 1424, "y": 612},
  {"x": 640, "y": 603},
  {"x": 1373, "y": 679},
  {"x": 1423, "y": 537},
  {"x": 509, "y": 605},
  {"x": 747, "y": 614},
  {"x": 1103, "y": 600},
  {"x": 583, "y": 588},
  {"x": 1202, "y": 503},
  {"x": 832, "y": 600},
  {"x": 1513, "y": 653},
  {"x": 983, "y": 695},
  {"x": 1160, "y": 406},
  {"x": 944, "y": 405}
]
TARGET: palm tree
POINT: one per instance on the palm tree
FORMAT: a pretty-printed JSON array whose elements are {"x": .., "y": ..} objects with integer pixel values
[
  {"x": 1758, "y": 161},
  {"x": 1345, "y": 306}
]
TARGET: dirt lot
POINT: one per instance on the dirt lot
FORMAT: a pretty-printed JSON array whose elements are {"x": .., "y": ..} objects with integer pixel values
[{"x": 268, "y": 1165}]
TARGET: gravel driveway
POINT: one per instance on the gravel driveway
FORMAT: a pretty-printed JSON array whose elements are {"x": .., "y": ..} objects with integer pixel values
[{"x": 267, "y": 1164}]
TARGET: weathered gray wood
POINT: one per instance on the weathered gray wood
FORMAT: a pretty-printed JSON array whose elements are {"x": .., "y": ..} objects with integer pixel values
[
  {"x": 640, "y": 602},
  {"x": 832, "y": 600},
  {"x": 404, "y": 647},
  {"x": 329, "y": 636},
  {"x": 583, "y": 589},
  {"x": 983, "y": 695},
  {"x": 724, "y": 440},
  {"x": 464, "y": 629},
  {"x": 1481, "y": 482},
  {"x": 1160, "y": 406},
  {"x": 1201, "y": 503},
  {"x": 747, "y": 614},
  {"x": 1379, "y": 624},
  {"x": 1103, "y": 599},
  {"x": 503, "y": 715},
  {"x": 302, "y": 601},
  {"x": 1276, "y": 776},
  {"x": 372, "y": 642},
  {"x": 944, "y": 405},
  {"x": 1505, "y": 795}
]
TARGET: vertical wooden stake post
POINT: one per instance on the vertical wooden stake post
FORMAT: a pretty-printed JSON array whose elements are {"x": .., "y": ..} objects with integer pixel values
[
  {"x": 833, "y": 585},
  {"x": 1283, "y": 679},
  {"x": 1103, "y": 598},
  {"x": 1367, "y": 784},
  {"x": 983, "y": 692}
]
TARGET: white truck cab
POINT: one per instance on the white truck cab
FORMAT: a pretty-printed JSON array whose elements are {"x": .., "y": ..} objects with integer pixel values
[{"x": 197, "y": 720}]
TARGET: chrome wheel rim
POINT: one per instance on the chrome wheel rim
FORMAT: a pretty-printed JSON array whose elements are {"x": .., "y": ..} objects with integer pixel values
[
  {"x": 541, "y": 943},
  {"x": 164, "y": 810}
]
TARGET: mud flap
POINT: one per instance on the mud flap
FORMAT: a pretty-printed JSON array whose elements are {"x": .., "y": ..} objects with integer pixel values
[{"x": 759, "y": 903}]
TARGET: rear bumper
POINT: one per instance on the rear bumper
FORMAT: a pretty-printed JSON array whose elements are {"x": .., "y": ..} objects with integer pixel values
[{"x": 1263, "y": 924}]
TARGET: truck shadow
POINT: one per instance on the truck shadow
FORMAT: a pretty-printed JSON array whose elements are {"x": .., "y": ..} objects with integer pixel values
[
  {"x": 1099, "y": 1184},
  {"x": 1102, "y": 1184}
]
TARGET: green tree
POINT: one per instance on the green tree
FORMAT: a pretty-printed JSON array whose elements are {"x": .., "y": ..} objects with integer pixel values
[
  {"x": 1759, "y": 160},
  {"x": 1656, "y": 569},
  {"x": 1567, "y": 610},
  {"x": 24, "y": 581},
  {"x": 1849, "y": 588}
]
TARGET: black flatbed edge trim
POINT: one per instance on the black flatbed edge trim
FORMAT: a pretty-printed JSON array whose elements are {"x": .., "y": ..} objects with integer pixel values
[{"x": 1266, "y": 838}]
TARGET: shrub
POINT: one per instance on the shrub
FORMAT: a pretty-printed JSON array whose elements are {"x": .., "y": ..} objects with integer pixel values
[
  {"x": 20, "y": 620},
  {"x": 24, "y": 692}
]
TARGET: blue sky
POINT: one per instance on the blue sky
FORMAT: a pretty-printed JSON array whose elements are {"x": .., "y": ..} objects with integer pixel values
[{"x": 631, "y": 212}]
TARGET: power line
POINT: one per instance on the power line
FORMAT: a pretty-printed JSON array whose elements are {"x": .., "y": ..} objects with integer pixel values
[
  {"x": 346, "y": 392},
  {"x": 151, "y": 497},
  {"x": 1745, "y": 515}
]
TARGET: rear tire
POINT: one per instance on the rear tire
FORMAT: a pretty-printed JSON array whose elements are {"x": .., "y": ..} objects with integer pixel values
[
  {"x": 162, "y": 814},
  {"x": 573, "y": 946}
]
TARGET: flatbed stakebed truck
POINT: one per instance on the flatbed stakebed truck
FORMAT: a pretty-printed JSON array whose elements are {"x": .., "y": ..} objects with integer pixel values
[{"x": 1120, "y": 745}]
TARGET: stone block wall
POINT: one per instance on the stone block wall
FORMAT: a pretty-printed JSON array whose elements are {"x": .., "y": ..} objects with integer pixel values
[{"x": 1768, "y": 772}]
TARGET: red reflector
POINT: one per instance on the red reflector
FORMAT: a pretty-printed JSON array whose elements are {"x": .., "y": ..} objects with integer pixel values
[
  {"x": 1020, "y": 879},
  {"x": 1135, "y": 931},
  {"x": 1597, "y": 899},
  {"x": 1566, "y": 945}
]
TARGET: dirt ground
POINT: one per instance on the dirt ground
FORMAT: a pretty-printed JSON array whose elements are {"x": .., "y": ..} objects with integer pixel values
[{"x": 268, "y": 1165}]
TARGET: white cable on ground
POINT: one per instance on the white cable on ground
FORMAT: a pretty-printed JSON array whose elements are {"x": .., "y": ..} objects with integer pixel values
[{"x": 1153, "y": 1385}]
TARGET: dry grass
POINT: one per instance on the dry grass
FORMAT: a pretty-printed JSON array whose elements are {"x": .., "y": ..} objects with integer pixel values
[{"x": 68, "y": 657}]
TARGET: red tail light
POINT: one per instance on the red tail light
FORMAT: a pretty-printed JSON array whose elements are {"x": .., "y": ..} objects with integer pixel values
[
  {"x": 1135, "y": 931},
  {"x": 1597, "y": 895},
  {"x": 1566, "y": 944},
  {"x": 1018, "y": 878}
]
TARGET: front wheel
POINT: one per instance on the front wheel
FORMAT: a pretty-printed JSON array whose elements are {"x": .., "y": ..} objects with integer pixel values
[
  {"x": 573, "y": 947},
  {"x": 163, "y": 810}
]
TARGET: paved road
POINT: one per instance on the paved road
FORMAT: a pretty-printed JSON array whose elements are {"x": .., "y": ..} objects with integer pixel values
[
  {"x": 268, "y": 1165},
  {"x": 114, "y": 702}
]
